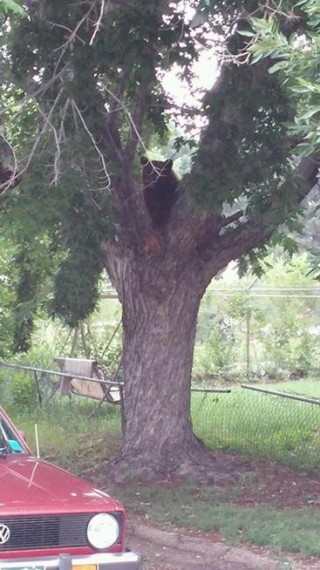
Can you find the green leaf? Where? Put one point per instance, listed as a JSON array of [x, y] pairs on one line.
[[261, 24], [279, 66], [299, 89], [310, 112], [246, 33], [257, 57], [13, 6]]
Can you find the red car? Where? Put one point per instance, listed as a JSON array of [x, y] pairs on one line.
[[52, 520]]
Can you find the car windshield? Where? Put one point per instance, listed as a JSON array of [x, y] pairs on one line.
[[8, 439]]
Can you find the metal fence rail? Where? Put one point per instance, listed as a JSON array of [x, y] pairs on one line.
[[61, 374], [279, 426], [282, 394], [246, 419], [210, 390], [97, 380]]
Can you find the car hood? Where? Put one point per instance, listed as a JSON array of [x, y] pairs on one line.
[[34, 486]]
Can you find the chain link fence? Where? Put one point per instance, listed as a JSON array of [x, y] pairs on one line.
[[261, 422], [258, 332], [253, 420]]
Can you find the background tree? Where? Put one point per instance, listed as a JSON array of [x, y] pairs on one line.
[[88, 74]]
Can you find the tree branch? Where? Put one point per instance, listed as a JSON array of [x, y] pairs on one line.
[[230, 219], [252, 233]]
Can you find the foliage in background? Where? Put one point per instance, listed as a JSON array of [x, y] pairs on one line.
[[297, 62], [283, 335], [288, 329], [98, 338], [277, 325], [7, 296]]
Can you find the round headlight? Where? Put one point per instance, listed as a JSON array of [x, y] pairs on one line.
[[103, 531]]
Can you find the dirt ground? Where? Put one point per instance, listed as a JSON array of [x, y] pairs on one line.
[[265, 483], [180, 549], [183, 550]]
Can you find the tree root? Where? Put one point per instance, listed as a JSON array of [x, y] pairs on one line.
[[195, 463]]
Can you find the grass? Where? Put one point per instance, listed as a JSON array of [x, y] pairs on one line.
[[246, 422], [69, 433], [309, 388], [258, 424], [207, 510], [82, 438]]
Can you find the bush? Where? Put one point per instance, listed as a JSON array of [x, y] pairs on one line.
[[218, 350], [24, 394], [266, 326]]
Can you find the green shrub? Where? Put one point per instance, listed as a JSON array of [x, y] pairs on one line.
[[218, 350], [24, 394]]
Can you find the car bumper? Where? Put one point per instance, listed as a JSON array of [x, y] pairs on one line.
[[121, 561]]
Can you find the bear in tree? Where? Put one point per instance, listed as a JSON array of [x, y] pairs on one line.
[[8, 179], [160, 185]]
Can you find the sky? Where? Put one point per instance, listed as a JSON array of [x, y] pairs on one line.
[[206, 72]]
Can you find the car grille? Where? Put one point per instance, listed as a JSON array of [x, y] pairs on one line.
[[36, 532]]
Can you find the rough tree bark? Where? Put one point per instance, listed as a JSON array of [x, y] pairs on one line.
[[160, 292], [160, 306]]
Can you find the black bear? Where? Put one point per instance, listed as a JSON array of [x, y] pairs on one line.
[[8, 179], [159, 189]]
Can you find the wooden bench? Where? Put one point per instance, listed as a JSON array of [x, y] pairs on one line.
[[86, 378]]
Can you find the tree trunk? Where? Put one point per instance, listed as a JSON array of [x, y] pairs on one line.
[[160, 290], [159, 325]]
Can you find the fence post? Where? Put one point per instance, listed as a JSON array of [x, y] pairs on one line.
[[38, 387], [248, 327], [248, 334]]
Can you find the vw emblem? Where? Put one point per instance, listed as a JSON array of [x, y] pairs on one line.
[[4, 533]]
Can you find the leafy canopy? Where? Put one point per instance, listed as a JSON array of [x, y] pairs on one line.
[[82, 96], [297, 63]]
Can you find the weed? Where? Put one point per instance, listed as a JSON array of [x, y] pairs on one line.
[[77, 440], [208, 510]]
